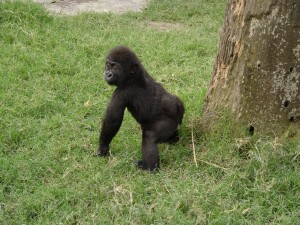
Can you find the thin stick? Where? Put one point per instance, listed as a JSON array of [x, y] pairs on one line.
[[214, 165], [193, 144], [296, 156]]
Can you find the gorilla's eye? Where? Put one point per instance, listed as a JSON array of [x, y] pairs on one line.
[[111, 65]]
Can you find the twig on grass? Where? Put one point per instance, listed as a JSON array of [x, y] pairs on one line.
[[213, 164], [193, 144]]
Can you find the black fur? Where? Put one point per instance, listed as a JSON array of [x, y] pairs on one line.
[[157, 111]]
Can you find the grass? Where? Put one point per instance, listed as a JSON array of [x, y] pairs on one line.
[[52, 99]]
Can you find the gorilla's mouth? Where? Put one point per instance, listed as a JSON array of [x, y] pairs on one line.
[[110, 75], [110, 78]]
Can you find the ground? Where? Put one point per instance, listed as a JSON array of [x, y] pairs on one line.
[[73, 7]]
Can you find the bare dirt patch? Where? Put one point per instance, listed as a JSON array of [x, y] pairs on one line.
[[74, 7], [164, 26]]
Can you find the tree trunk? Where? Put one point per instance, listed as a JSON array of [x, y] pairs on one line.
[[256, 76]]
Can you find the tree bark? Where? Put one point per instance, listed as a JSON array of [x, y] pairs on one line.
[[256, 76]]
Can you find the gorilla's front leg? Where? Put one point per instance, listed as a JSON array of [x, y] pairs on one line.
[[150, 155], [103, 151]]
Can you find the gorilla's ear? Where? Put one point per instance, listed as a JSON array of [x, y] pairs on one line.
[[133, 68]]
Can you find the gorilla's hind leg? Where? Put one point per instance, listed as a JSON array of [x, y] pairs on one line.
[[173, 139], [161, 131], [150, 157]]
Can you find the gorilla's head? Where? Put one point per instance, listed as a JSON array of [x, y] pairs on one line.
[[121, 65]]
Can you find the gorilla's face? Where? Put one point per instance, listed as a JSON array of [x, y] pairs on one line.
[[114, 73]]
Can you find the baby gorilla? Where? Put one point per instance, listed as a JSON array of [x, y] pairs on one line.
[[157, 111]]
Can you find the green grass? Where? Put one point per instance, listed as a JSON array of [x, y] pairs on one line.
[[53, 97]]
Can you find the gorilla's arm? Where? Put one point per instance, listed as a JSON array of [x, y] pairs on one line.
[[111, 123]]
